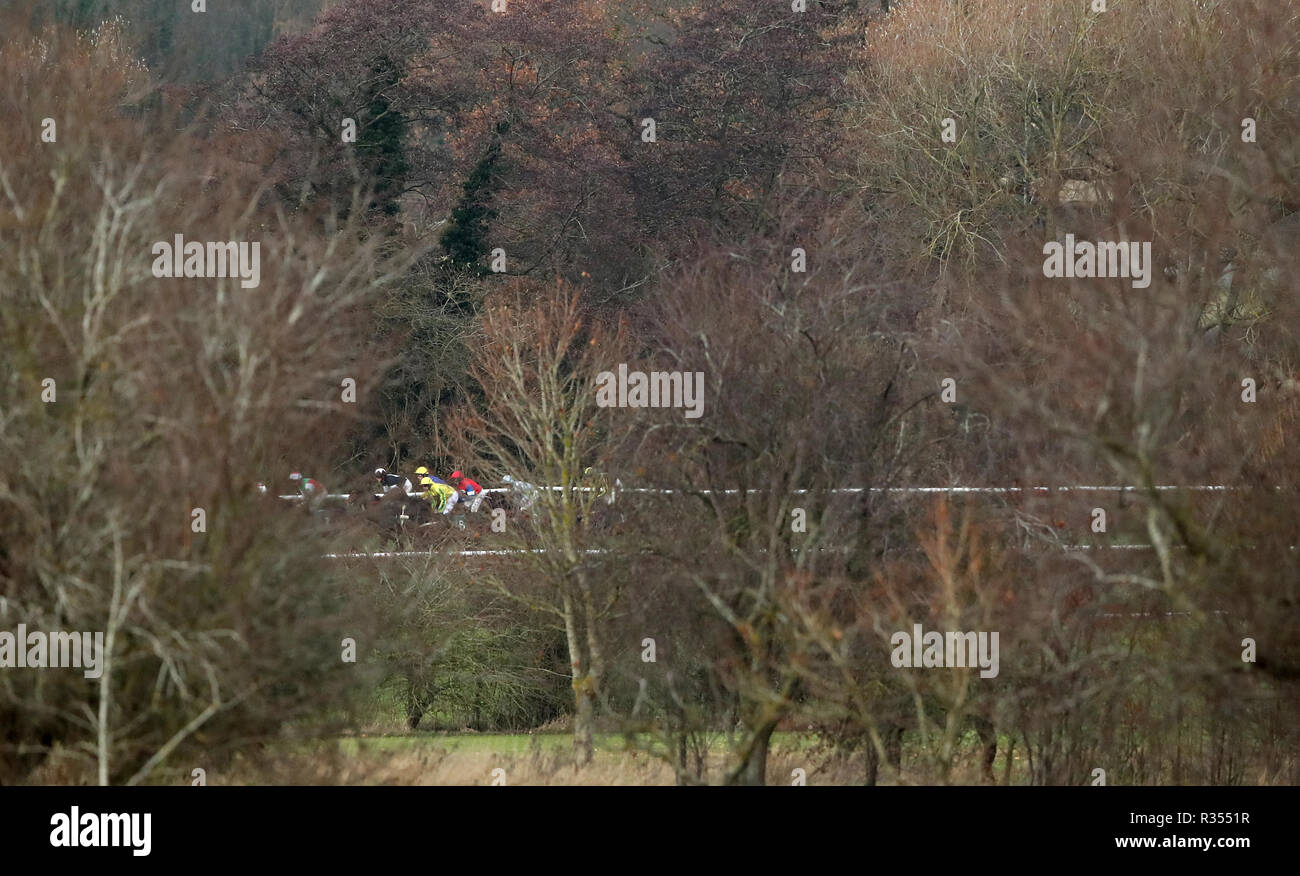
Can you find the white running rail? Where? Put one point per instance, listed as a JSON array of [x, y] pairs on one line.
[[918, 490]]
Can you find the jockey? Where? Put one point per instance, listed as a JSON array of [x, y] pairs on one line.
[[422, 473], [307, 486], [470, 488], [527, 492], [441, 495], [596, 480], [388, 480], [464, 484], [312, 490]]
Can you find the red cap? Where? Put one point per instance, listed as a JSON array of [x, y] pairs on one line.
[[457, 474]]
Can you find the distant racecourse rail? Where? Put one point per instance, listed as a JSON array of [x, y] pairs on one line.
[[660, 490], [1065, 489]]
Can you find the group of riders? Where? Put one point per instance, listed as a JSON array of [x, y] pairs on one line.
[[441, 495], [444, 495]]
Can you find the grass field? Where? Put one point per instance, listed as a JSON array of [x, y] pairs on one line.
[[524, 743], [430, 758]]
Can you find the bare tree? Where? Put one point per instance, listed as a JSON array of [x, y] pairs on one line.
[[539, 421], [140, 412]]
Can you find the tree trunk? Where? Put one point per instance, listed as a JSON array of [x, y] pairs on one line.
[[989, 740], [414, 706], [584, 712], [753, 768], [584, 722], [892, 742], [682, 764]]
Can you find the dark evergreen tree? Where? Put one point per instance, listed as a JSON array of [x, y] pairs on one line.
[[465, 240], [381, 139]]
